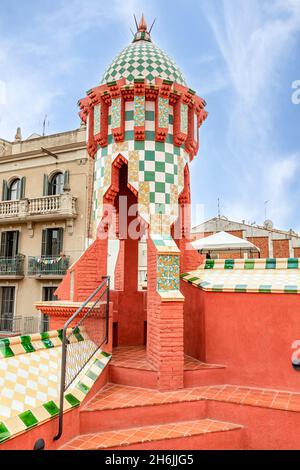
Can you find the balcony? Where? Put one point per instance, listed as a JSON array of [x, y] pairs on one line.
[[48, 267], [12, 268], [22, 325], [62, 206]]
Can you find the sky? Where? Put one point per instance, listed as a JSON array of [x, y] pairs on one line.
[[241, 56]]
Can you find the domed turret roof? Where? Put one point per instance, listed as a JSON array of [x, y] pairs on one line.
[[143, 59]]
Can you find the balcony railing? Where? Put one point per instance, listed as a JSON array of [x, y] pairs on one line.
[[12, 266], [62, 206], [22, 325], [9, 208], [48, 265]]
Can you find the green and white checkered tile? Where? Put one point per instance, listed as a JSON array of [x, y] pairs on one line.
[[257, 263], [164, 243], [245, 279], [159, 164], [143, 59], [32, 416]]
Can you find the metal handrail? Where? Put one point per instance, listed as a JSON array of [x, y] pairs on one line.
[[65, 342]]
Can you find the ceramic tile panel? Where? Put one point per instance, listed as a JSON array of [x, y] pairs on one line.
[[139, 111], [184, 118], [116, 113], [97, 114], [167, 272], [163, 112]]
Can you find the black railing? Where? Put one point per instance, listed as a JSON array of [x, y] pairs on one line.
[[48, 265], [23, 325], [12, 266], [81, 338]]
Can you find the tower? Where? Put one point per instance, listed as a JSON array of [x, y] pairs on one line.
[[142, 132]]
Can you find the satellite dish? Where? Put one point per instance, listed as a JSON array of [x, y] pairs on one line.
[[268, 224]]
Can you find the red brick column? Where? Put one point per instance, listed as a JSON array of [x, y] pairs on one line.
[[165, 345]]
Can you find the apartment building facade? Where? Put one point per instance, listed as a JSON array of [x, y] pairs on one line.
[[44, 221]]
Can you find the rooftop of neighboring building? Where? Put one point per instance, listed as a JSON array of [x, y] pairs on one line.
[[222, 221]]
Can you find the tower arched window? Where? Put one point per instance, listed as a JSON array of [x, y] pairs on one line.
[[56, 185], [14, 190]]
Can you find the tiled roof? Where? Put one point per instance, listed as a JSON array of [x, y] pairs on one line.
[[29, 379], [142, 59], [251, 275]]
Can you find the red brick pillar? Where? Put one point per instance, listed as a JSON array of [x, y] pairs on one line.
[[165, 346]]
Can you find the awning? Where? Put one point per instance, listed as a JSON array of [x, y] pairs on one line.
[[223, 241]]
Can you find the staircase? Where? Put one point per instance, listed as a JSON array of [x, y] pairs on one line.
[[213, 417]]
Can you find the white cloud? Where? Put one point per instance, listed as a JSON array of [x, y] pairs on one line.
[[254, 39], [36, 62]]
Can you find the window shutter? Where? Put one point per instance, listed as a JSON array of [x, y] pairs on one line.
[[4, 191], [60, 240], [46, 186], [15, 250], [3, 243], [44, 242], [22, 190], [66, 178]]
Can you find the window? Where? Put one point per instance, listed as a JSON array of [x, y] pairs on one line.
[[48, 293], [48, 296], [7, 308], [52, 242], [14, 190], [9, 244], [55, 185]]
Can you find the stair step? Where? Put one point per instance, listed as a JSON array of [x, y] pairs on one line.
[[114, 396], [149, 434]]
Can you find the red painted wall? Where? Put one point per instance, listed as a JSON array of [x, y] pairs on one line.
[[250, 333]]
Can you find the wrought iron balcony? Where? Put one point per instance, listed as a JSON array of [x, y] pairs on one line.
[[12, 267], [62, 206], [48, 266], [22, 325]]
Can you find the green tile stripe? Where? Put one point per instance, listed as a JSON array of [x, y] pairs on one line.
[[27, 345], [210, 263], [52, 408], [27, 340], [28, 419], [265, 289], [249, 264], [4, 432], [72, 400], [293, 263], [291, 289], [45, 337], [229, 264], [270, 263], [5, 349], [240, 288]]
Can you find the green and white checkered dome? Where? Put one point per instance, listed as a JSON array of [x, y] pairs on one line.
[[142, 59]]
